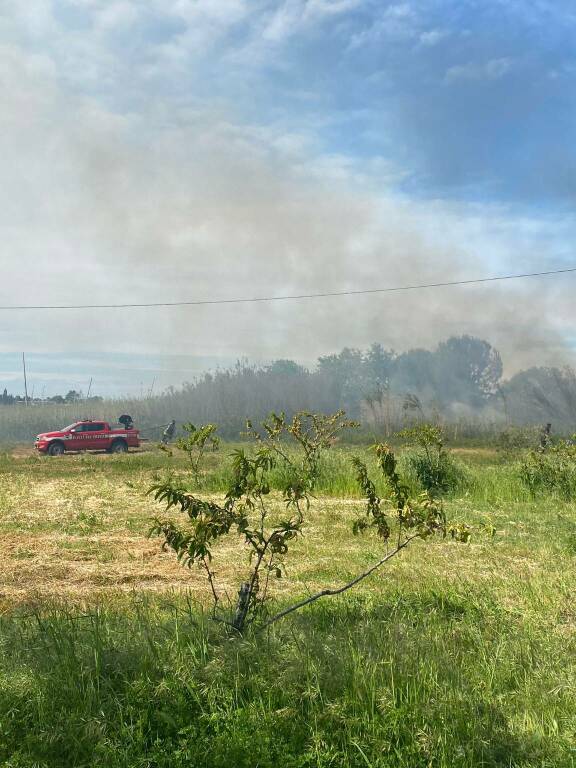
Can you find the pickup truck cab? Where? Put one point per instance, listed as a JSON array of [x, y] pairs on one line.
[[88, 436]]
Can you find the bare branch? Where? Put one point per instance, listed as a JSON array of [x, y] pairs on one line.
[[344, 588]]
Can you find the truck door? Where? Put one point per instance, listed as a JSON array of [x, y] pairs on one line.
[[75, 440], [94, 438]]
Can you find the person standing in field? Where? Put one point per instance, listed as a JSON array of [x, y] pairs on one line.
[[168, 433], [545, 436]]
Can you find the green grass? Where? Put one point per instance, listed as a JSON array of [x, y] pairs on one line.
[[488, 476], [445, 677], [452, 657]]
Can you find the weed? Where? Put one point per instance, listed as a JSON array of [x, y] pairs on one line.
[[430, 462], [551, 471]]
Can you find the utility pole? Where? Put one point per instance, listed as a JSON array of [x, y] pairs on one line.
[[25, 380], [89, 388], [151, 387]]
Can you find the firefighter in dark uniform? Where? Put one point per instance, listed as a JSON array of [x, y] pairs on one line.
[[545, 436], [168, 433], [126, 421]]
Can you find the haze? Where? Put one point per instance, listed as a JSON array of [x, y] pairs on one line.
[[182, 150]]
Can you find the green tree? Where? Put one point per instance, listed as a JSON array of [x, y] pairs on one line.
[[343, 376], [466, 370], [196, 442], [378, 365], [295, 446], [287, 368], [414, 372], [433, 466], [538, 395]]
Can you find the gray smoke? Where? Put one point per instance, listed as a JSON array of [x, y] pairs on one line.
[[97, 207]]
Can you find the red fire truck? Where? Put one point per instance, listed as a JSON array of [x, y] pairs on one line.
[[88, 436]]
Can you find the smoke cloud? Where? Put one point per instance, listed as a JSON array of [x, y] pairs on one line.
[[98, 206]]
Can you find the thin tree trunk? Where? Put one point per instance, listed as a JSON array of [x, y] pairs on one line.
[[242, 606]]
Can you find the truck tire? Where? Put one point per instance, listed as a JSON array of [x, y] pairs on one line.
[[56, 448], [119, 446]]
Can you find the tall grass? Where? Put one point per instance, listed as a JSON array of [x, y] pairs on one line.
[[227, 400], [429, 678], [486, 479], [20, 423]]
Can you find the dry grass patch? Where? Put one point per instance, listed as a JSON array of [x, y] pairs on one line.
[[85, 535]]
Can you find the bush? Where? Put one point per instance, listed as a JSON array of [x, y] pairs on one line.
[[515, 438], [551, 471], [440, 476], [430, 462], [247, 509]]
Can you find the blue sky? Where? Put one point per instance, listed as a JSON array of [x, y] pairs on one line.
[[112, 374], [194, 148], [468, 99], [456, 97]]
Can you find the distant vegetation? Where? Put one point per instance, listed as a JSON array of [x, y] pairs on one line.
[[459, 383], [72, 396]]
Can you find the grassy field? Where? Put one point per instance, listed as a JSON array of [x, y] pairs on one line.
[[453, 655]]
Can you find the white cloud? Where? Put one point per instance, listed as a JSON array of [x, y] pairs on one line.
[[398, 21], [325, 8], [432, 37], [292, 17], [223, 13], [285, 21], [88, 53], [400, 11], [115, 15], [494, 69]]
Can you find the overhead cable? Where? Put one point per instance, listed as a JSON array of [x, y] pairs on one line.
[[291, 297]]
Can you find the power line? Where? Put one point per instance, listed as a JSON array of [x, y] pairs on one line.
[[293, 297]]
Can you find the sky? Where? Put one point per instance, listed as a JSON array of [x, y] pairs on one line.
[[166, 150]]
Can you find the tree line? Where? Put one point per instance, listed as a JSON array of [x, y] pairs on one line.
[[459, 381], [72, 396]]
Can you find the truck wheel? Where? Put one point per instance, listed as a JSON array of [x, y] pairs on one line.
[[55, 449], [119, 446]]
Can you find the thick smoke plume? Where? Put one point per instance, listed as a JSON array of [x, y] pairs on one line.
[[100, 207]]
